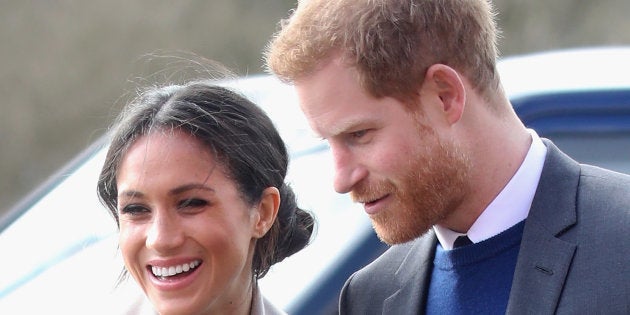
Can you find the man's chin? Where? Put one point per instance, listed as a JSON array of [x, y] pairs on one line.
[[393, 235]]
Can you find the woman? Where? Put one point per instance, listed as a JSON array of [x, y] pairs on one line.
[[194, 178]]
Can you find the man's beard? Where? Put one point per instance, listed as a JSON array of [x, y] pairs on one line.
[[433, 187]]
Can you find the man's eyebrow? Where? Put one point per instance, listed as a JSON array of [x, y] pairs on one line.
[[349, 125]]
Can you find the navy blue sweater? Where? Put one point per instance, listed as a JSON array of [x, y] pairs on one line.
[[475, 279]]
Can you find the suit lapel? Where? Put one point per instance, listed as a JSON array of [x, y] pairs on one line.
[[413, 276], [544, 259]]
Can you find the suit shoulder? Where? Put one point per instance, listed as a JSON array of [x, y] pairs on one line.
[[365, 290], [369, 287], [384, 267], [603, 176], [605, 188]]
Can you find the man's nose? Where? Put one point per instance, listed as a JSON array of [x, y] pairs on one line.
[[348, 170]]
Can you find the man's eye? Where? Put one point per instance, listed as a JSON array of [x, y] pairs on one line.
[[358, 134]]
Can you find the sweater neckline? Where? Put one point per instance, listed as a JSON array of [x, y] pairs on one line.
[[474, 253]]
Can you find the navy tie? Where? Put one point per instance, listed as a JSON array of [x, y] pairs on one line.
[[462, 240]]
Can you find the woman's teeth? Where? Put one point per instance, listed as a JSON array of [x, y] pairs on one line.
[[174, 270]]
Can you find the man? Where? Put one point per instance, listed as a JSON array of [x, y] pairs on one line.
[[422, 134]]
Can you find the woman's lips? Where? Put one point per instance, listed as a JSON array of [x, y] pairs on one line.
[[171, 276]]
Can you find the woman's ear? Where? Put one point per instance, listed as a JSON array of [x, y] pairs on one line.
[[447, 85], [267, 211]]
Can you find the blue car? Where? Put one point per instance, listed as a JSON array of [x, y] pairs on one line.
[[59, 244]]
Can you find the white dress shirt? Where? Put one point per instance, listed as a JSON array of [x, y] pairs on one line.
[[512, 204]]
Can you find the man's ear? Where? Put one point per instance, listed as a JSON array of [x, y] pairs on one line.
[[267, 211], [448, 85]]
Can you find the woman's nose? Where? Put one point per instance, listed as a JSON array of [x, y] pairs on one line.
[[165, 233]]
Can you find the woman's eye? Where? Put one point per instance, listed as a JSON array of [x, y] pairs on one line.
[[134, 209], [192, 203]]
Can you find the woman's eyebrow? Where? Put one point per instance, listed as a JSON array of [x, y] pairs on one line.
[[130, 194], [175, 191], [187, 187]]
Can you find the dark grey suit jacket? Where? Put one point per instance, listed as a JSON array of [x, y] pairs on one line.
[[574, 256]]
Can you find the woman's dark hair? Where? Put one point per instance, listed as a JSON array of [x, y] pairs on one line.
[[241, 137]]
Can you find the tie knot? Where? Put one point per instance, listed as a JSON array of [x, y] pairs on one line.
[[462, 240]]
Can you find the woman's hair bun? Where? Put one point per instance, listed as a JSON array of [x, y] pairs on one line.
[[296, 225]]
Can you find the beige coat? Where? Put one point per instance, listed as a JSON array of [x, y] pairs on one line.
[[262, 306], [140, 305]]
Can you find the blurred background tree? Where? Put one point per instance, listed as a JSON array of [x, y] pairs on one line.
[[65, 64]]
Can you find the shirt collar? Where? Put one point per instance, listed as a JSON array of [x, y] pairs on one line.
[[512, 204]]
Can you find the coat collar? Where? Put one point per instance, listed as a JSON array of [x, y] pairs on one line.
[[544, 259]]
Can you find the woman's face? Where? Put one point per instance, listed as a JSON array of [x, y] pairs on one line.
[[186, 235]]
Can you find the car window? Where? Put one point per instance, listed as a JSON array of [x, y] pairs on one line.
[[608, 150]]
